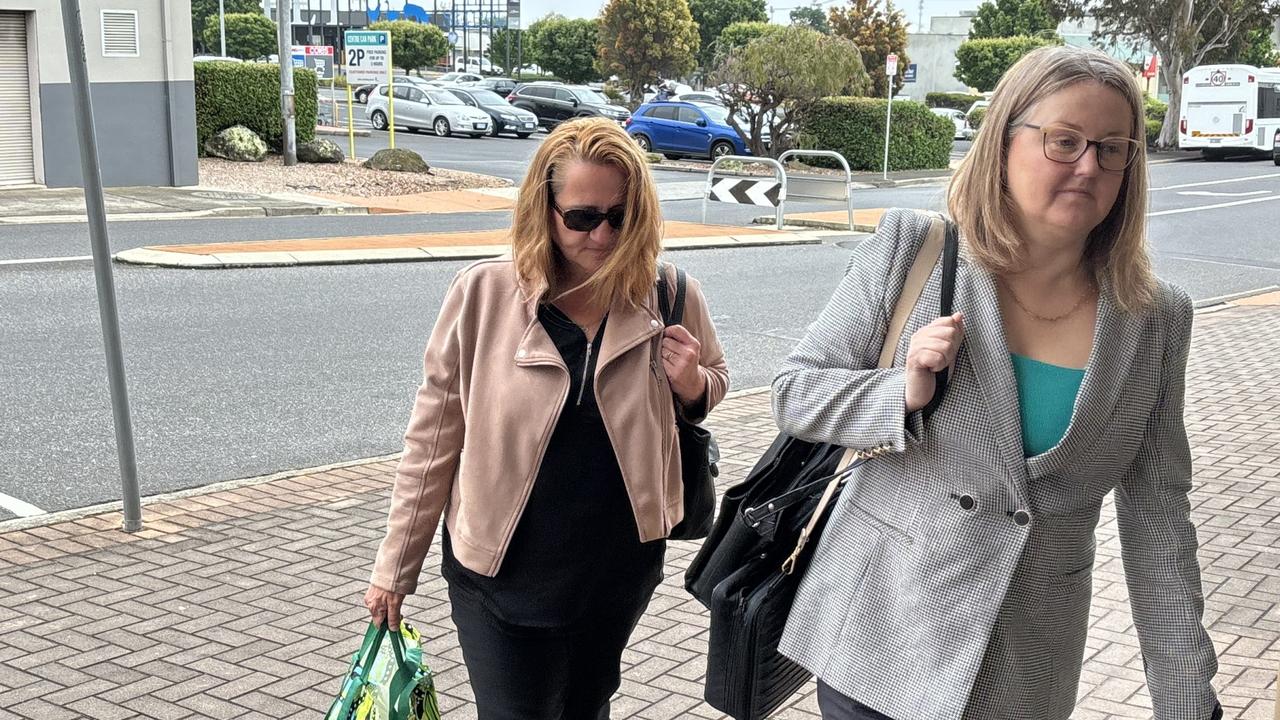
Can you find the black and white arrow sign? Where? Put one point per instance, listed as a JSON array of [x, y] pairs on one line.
[[746, 192]]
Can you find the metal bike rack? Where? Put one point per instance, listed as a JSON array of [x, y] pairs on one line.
[[819, 187], [780, 177]]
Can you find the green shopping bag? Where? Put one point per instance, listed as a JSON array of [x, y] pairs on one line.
[[387, 686]]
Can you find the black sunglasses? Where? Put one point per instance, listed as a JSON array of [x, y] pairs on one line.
[[588, 219]]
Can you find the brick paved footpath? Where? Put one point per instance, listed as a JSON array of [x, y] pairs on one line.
[[244, 602]]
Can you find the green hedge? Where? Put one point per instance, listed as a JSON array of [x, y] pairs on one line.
[[956, 101], [976, 117], [248, 94], [1153, 130], [854, 127], [1155, 108]]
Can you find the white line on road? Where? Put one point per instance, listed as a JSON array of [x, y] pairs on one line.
[[19, 508], [1192, 258], [1213, 207], [1216, 182], [39, 261], [1211, 193]]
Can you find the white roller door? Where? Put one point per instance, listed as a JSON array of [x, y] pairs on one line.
[[16, 160]]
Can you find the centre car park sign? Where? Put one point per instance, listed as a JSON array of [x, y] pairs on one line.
[[368, 56]]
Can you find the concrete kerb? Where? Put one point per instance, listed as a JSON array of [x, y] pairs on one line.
[[859, 183], [158, 257], [230, 212]]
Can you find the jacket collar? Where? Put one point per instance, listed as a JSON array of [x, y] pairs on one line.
[[628, 326], [1115, 344]]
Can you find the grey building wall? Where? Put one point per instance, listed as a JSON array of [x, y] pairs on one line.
[[935, 59], [139, 142]]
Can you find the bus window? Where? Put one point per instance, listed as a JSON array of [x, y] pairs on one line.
[[1269, 101]]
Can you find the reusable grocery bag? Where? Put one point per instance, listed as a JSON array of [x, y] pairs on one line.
[[384, 683]]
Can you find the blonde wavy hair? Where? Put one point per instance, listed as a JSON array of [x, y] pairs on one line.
[[978, 197], [631, 269]]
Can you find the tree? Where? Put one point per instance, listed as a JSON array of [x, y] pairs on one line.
[[497, 52], [877, 33], [413, 44], [713, 16], [1012, 18], [643, 40], [202, 10], [739, 34], [1183, 33], [773, 80], [811, 16], [981, 63], [1251, 47], [249, 35], [565, 48]]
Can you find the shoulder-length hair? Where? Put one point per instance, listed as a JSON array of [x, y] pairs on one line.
[[978, 197], [631, 270]]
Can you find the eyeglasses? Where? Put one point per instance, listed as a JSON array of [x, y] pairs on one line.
[[1064, 145], [588, 219]]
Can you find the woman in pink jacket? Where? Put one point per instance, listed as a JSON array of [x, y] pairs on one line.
[[544, 432]]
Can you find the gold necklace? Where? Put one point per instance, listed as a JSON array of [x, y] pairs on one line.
[[1079, 303]]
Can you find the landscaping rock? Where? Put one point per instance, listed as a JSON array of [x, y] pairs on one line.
[[320, 150], [237, 143], [397, 160]]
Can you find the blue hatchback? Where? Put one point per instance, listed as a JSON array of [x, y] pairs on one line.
[[678, 128]]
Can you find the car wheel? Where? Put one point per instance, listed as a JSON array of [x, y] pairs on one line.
[[523, 135], [643, 142], [379, 120], [720, 149], [671, 156], [476, 136], [362, 97], [442, 127], [493, 129], [1275, 156]]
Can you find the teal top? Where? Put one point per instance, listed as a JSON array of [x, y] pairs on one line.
[[1046, 397]]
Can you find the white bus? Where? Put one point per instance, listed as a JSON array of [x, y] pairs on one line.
[[1229, 108]]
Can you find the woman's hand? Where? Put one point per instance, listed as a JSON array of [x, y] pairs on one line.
[[932, 348], [384, 606], [680, 354]]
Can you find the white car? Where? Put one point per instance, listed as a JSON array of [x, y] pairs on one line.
[[477, 65], [963, 131], [456, 78], [419, 108]]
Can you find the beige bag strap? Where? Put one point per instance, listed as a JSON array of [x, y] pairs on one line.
[[917, 277]]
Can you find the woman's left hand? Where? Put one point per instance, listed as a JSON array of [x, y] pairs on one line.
[[680, 354]]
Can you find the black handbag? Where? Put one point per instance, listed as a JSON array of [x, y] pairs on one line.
[[751, 564], [698, 450]]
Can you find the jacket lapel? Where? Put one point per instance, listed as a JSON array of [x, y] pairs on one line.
[[988, 354], [627, 327]]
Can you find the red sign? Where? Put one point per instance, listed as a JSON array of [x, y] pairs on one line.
[[1150, 70]]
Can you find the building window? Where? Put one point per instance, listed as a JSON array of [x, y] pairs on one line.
[[120, 33]]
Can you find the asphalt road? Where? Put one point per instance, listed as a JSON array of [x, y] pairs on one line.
[[242, 372]]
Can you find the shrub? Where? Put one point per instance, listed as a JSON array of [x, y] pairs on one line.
[[248, 94], [981, 63], [1155, 109], [1153, 131], [854, 127], [955, 101], [976, 117]]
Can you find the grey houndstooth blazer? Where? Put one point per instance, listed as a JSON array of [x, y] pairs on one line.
[[953, 579]]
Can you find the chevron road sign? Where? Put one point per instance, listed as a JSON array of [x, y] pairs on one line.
[[746, 192]]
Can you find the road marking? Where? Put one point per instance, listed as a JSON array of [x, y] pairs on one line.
[[40, 261], [1216, 182], [1213, 207], [1210, 193], [1193, 258], [19, 508]]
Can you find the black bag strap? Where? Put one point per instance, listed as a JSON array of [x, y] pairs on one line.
[[672, 315], [950, 261]]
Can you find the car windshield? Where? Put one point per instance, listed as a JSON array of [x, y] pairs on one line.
[[716, 113], [487, 97], [444, 98], [590, 96]]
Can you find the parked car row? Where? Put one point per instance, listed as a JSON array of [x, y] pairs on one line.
[[500, 85], [687, 129], [554, 103], [449, 110]]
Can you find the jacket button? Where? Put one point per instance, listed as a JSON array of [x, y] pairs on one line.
[[655, 324], [1022, 517], [521, 354], [967, 502]]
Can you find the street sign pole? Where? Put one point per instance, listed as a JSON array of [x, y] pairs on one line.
[[285, 31], [107, 310], [222, 25], [890, 69]]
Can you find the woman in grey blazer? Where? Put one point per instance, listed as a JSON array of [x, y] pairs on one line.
[[953, 579]]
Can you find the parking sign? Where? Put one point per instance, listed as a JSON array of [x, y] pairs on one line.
[[891, 65], [367, 56]]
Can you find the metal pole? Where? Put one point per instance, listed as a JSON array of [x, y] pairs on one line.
[[222, 26], [888, 120], [285, 30], [520, 51], [508, 36], [107, 311]]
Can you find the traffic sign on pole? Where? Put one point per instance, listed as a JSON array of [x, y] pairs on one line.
[[368, 56], [891, 65]]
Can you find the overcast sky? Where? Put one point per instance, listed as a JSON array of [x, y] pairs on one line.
[[531, 10]]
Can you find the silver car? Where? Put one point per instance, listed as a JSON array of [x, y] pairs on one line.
[[418, 108]]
